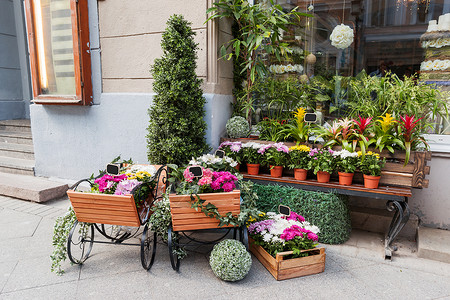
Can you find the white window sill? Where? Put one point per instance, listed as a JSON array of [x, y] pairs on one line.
[[438, 143]]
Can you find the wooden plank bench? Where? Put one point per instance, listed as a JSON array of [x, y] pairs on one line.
[[396, 184]]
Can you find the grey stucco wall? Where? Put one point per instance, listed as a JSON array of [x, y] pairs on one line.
[[73, 142], [432, 205]]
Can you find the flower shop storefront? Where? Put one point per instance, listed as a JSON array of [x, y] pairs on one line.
[[375, 74]]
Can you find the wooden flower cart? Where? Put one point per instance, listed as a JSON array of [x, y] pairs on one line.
[[186, 219], [108, 214]]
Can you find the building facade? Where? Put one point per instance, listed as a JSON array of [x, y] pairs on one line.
[[72, 141]]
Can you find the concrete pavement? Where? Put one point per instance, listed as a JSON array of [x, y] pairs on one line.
[[355, 269]]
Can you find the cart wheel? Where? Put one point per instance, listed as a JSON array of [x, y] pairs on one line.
[[174, 260], [243, 236], [113, 232], [79, 243], [148, 248]]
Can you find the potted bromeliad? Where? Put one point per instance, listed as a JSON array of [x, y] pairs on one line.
[[323, 163], [275, 156], [286, 245], [370, 165], [346, 163], [252, 157], [298, 160]]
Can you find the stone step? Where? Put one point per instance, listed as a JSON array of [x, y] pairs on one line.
[[433, 244], [16, 125], [16, 137], [378, 220], [36, 189], [16, 166], [22, 151]]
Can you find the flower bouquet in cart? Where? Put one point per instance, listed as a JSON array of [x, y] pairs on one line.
[[286, 245]]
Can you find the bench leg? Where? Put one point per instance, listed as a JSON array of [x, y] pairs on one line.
[[401, 216]]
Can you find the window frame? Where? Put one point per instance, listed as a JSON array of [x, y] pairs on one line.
[[81, 53]]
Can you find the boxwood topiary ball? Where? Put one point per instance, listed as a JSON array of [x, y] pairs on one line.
[[230, 261], [237, 127]]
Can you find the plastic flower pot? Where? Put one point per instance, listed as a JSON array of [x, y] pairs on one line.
[[345, 178], [300, 174], [371, 182], [276, 171], [252, 169], [323, 177]]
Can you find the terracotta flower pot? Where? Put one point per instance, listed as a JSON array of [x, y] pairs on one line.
[[323, 177], [252, 169], [237, 167], [371, 182], [276, 171], [300, 174], [345, 178]]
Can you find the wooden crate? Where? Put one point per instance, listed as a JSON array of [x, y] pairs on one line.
[[282, 268], [185, 218], [104, 208]]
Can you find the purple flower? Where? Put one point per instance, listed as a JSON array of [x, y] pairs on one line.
[[236, 147], [313, 152], [263, 148], [126, 186], [260, 226]]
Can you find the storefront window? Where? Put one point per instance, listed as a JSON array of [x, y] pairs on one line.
[[387, 40]]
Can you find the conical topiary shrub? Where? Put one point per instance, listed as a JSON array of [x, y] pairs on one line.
[[176, 131]]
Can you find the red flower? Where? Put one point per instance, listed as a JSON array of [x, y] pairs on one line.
[[408, 125], [363, 124]]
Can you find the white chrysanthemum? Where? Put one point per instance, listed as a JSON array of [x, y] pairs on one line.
[[342, 36], [345, 153]]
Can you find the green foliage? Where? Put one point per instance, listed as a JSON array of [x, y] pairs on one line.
[[277, 98], [176, 130], [376, 96], [61, 231], [237, 127], [230, 261], [160, 221], [259, 27], [327, 211], [271, 130]]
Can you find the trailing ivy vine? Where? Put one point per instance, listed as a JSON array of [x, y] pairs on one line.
[[61, 231]]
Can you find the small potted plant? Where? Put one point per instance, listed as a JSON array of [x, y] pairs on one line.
[[275, 156], [298, 160], [286, 245], [237, 127], [322, 163], [233, 150], [346, 163], [252, 157], [370, 165]]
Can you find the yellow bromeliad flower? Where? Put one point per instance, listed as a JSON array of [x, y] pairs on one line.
[[386, 122], [300, 114], [302, 148]]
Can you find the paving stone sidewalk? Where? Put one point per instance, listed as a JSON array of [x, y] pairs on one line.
[[355, 270]]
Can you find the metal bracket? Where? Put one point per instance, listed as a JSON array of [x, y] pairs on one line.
[[401, 216]]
